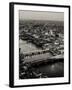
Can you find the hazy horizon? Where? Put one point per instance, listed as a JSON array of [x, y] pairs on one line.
[[41, 15]]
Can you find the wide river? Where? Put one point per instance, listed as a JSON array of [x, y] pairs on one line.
[[52, 70], [27, 47]]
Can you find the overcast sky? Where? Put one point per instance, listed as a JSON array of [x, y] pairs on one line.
[[41, 15]]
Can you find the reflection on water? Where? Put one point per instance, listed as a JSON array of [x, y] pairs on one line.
[[55, 69], [51, 70]]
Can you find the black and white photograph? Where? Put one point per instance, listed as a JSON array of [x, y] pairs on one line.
[[39, 44]]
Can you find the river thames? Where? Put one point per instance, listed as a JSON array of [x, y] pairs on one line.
[[55, 69]]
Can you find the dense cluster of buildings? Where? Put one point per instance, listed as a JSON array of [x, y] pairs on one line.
[[44, 35], [47, 36]]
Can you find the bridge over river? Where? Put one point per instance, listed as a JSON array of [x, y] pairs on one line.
[[38, 58], [33, 54]]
